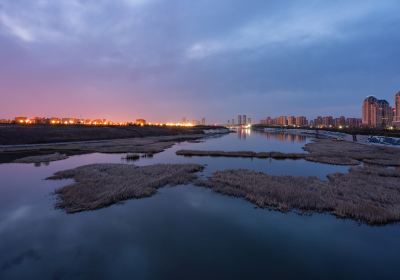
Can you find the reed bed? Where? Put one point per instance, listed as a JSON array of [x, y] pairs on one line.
[[351, 153], [41, 158], [327, 151], [243, 154], [147, 145], [131, 157], [100, 185], [367, 194]]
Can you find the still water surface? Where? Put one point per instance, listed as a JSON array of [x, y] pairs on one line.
[[185, 232]]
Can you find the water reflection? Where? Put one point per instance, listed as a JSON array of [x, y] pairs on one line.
[[286, 137], [184, 232], [243, 133]]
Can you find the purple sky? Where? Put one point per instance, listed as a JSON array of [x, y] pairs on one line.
[[167, 59]]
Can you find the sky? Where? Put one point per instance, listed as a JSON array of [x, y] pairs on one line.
[[163, 60]]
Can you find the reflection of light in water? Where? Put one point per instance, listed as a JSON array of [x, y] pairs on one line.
[[285, 137], [243, 133]]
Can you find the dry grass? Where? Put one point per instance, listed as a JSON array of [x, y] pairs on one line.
[[41, 158], [101, 185], [367, 194], [243, 154], [279, 155], [349, 153], [333, 160], [37, 134], [147, 145], [327, 151], [131, 157]]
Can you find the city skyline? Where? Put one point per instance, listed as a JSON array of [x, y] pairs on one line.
[[374, 113], [102, 59]]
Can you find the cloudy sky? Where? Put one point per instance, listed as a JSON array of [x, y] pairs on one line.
[[167, 59]]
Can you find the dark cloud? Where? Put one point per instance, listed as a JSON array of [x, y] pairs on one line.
[[166, 59]]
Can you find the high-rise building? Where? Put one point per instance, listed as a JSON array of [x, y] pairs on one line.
[[396, 120], [353, 122], [370, 112], [203, 121], [267, 121], [377, 113], [339, 122], [318, 122], [240, 120], [385, 114], [301, 121], [244, 120], [327, 121], [291, 120], [282, 120]]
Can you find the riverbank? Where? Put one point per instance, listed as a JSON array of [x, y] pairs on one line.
[[148, 145], [45, 134], [45, 152], [328, 151], [346, 130]]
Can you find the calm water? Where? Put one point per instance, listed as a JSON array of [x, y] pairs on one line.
[[185, 232]]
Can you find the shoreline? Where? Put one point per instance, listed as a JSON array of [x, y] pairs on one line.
[[42, 134], [45, 152], [148, 145], [367, 139], [328, 151]]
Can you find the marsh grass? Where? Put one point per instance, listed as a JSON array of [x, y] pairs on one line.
[[243, 154], [131, 157], [147, 145], [100, 185], [366, 194], [326, 151], [351, 153]]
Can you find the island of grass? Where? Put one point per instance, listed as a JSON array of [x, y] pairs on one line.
[[100, 185], [367, 194], [244, 154], [328, 151]]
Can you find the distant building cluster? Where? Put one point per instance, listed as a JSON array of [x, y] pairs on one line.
[[95, 122], [186, 122], [320, 121], [338, 122], [377, 113], [242, 120], [286, 121], [59, 121]]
